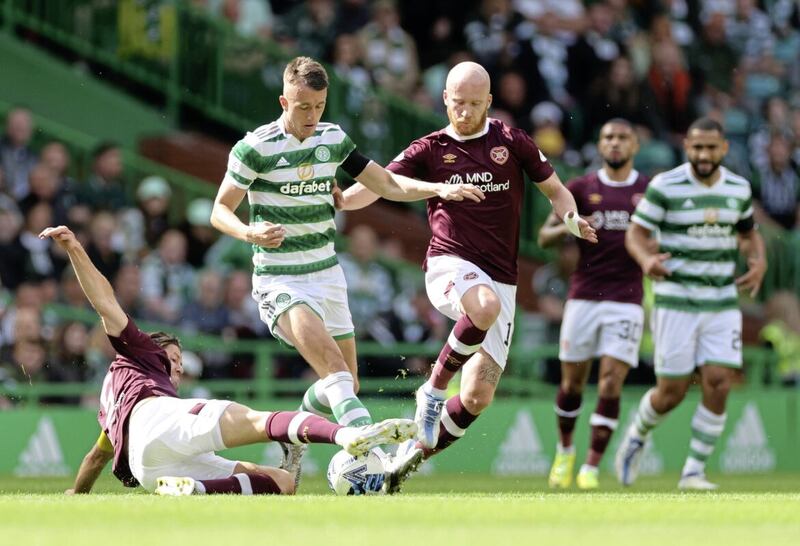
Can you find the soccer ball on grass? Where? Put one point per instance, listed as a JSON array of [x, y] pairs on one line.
[[349, 475]]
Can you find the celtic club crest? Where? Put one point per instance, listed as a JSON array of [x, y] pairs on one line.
[[499, 154]]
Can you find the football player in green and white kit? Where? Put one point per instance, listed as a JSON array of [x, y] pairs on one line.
[[286, 168], [702, 214]]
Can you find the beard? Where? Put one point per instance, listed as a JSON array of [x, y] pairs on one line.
[[616, 163], [472, 129], [706, 168]]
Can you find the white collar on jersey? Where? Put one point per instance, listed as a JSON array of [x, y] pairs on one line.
[[603, 176], [455, 136]]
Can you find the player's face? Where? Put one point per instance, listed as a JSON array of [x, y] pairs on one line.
[[617, 144], [176, 361], [467, 107], [303, 109], [705, 150]]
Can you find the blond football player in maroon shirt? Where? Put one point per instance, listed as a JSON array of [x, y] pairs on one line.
[[471, 263]]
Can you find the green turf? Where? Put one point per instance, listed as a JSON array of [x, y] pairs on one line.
[[461, 510]]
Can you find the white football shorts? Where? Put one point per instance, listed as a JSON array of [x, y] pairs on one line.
[[448, 278], [174, 437], [324, 292], [601, 328], [684, 340]]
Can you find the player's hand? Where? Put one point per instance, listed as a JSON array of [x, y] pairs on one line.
[[587, 231], [62, 235], [459, 192], [338, 196], [266, 235], [654, 267], [756, 268]]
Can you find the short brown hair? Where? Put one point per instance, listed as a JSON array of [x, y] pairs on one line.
[[162, 339], [306, 71]]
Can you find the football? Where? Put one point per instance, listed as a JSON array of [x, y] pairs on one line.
[[349, 475]]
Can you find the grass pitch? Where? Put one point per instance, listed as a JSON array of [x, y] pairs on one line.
[[461, 510]]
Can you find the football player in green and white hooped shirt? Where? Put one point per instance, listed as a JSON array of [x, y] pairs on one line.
[[701, 213], [287, 168]]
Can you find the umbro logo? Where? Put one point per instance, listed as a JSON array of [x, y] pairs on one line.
[[449, 158], [688, 204], [282, 162]]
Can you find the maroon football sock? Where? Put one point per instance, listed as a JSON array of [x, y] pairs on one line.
[[239, 484], [463, 342], [301, 427], [603, 421], [568, 407], [455, 421]]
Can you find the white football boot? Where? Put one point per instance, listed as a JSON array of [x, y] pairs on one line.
[[428, 417]]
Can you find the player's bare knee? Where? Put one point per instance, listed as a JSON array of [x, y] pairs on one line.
[[485, 314], [571, 386], [476, 400], [609, 386]]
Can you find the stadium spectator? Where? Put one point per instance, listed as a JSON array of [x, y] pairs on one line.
[[513, 97], [153, 196], [16, 157], [206, 314], [390, 53], [619, 95], [69, 290], [101, 248], [200, 235], [12, 252], [591, 55], [352, 15], [671, 86], [105, 188], [55, 155], [776, 188], [492, 31], [713, 60], [167, 279], [39, 263], [310, 27], [250, 18], [128, 287]]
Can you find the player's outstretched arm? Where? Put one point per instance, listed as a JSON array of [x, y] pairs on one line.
[[356, 197], [565, 207], [396, 187], [223, 217], [92, 466], [96, 287]]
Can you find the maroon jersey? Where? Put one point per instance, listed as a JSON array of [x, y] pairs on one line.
[[606, 272], [485, 233], [140, 370]]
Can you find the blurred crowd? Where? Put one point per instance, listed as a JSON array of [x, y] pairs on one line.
[[560, 69], [168, 269]]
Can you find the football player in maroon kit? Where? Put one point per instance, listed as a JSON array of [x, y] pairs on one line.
[[471, 263], [603, 316], [167, 444]]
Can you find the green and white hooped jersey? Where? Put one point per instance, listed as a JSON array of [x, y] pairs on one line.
[[290, 182], [696, 224]]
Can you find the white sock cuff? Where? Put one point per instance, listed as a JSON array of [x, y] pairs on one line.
[[709, 416], [597, 420], [335, 377], [244, 483], [564, 413], [461, 348], [646, 408]]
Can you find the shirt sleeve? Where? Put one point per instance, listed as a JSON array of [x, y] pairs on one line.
[[244, 163], [137, 347], [533, 161], [411, 161], [651, 210]]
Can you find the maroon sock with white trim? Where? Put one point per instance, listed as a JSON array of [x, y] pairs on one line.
[[464, 340], [238, 484], [455, 421], [567, 408], [604, 421], [301, 427]]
